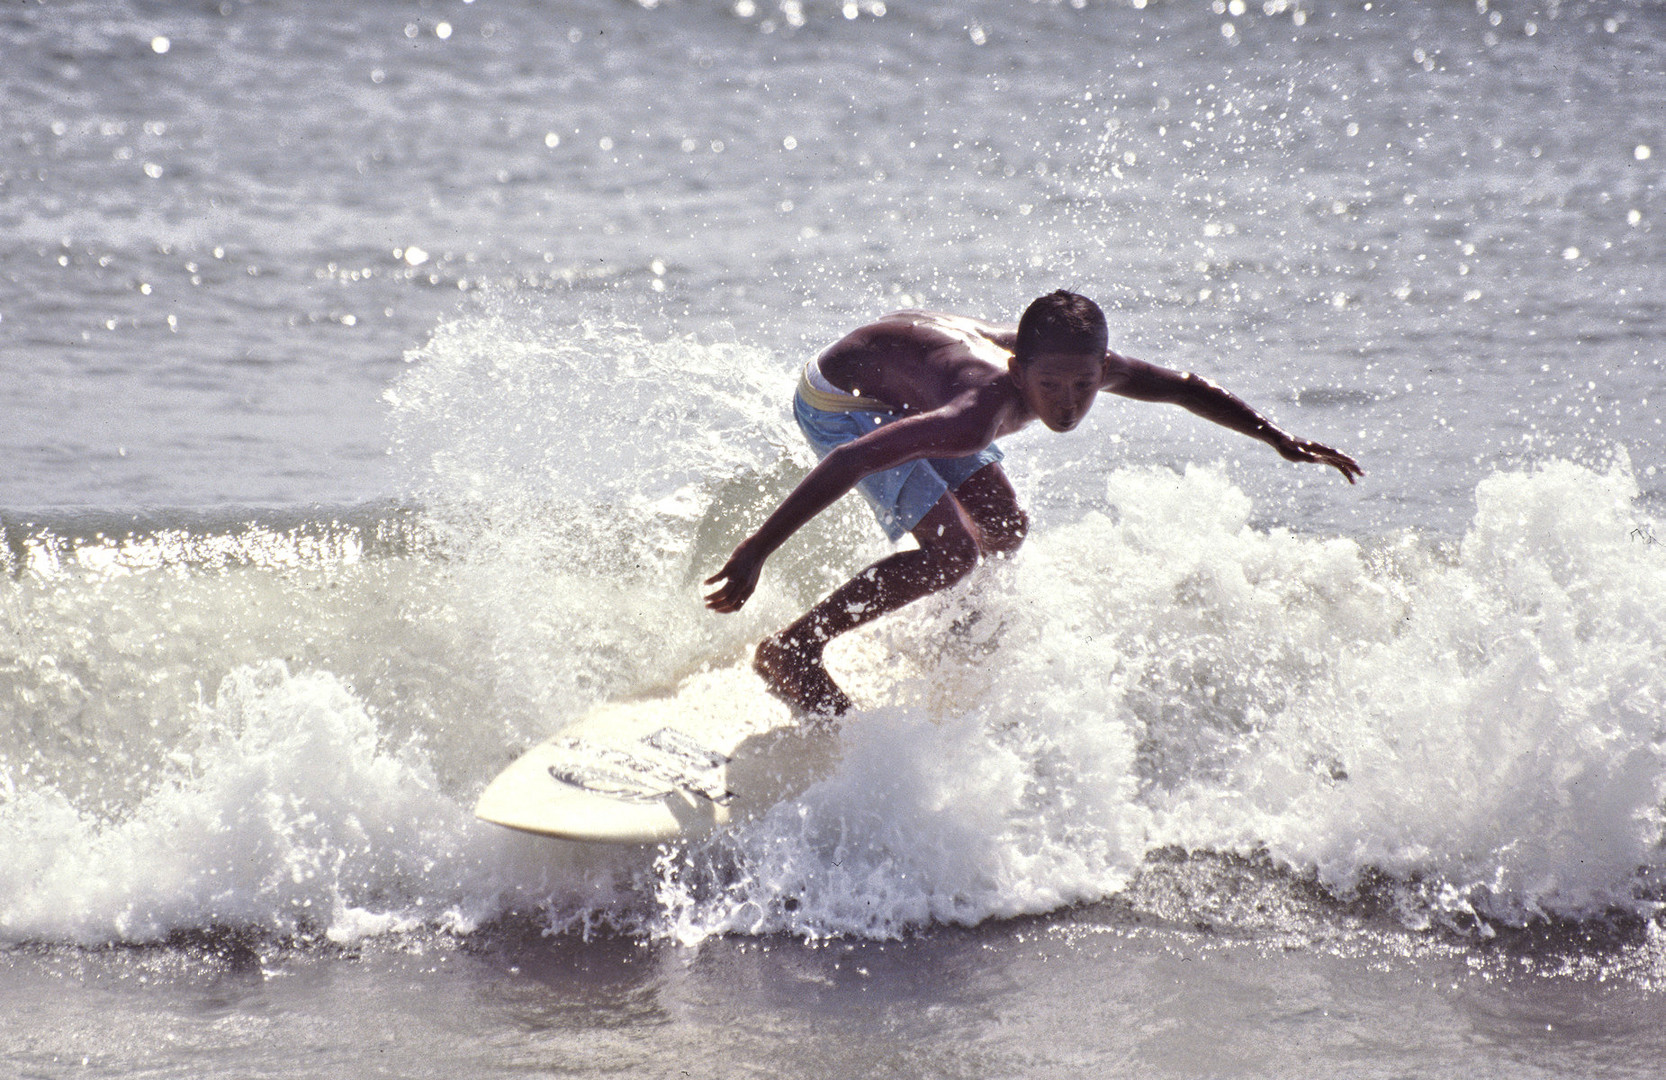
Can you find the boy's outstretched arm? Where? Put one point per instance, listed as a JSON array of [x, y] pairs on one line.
[[1148, 382], [946, 432], [836, 475]]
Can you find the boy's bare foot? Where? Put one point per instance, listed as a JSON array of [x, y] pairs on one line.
[[794, 673]]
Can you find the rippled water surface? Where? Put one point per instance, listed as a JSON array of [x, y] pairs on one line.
[[378, 381]]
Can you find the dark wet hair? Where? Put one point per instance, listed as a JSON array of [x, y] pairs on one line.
[[1061, 322]]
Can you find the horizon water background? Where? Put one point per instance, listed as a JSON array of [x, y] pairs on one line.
[[378, 382]]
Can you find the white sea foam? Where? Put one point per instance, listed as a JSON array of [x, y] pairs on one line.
[[1482, 724], [1478, 720], [296, 818]]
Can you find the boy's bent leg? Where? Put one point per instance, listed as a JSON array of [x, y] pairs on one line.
[[992, 504], [790, 662]]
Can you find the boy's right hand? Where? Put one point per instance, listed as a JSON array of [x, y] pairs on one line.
[[740, 577]]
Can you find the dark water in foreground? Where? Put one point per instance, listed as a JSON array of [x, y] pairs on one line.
[[1108, 990]]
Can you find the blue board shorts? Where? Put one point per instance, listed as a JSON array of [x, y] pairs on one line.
[[900, 497]]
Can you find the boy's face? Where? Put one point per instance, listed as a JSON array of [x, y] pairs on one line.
[[1060, 387]]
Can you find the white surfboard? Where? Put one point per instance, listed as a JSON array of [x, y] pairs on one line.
[[645, 772]]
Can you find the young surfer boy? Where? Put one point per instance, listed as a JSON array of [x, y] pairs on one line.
[[908, 409]]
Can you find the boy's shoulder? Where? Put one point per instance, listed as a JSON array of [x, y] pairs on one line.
[[919, 360], [922, 321], [939, 332]]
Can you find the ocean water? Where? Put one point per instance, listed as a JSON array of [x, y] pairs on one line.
[[378, 382]]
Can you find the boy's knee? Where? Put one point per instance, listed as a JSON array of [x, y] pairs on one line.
[[1006, 535], [954, 555]]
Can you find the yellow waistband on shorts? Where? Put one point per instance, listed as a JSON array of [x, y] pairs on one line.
[[834, 400]]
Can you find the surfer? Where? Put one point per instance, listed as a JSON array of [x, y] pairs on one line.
[[907, 409]]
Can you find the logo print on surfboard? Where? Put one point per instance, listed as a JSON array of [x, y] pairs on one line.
[[668, 762]]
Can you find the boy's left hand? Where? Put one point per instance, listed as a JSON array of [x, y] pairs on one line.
[[1294, 449]]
